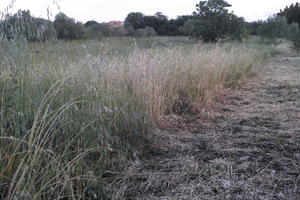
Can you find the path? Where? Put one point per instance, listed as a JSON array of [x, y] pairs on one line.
[[251, 150]]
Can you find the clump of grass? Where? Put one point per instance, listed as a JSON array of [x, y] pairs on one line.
[[72, 111]]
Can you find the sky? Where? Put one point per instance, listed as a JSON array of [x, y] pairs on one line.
[[107, 10]]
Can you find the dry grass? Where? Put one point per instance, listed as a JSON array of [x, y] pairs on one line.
[[249, 151], [71, 111]]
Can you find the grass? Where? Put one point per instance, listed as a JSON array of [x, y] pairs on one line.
[[71, 111]]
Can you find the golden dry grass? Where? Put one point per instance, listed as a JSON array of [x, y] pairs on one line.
[[76, 109]]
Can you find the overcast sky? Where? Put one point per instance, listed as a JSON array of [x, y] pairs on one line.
[[107, 10]]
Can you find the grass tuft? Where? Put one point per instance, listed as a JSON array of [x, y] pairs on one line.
[[72, 111]]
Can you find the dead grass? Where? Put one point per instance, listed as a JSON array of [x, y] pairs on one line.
[[76, 110], [250, 150]]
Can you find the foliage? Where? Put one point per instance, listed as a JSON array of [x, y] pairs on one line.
[[292, 13], [159, 22], [97, 30], [135, 20], [73, 114], [68, 29], [213, 21], [278, 27], [23, 26], [253, 26], [188, 27], [216, 23], [274, 27], [145, 32], [293, 34]]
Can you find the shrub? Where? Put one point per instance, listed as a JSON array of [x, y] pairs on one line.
[[293, 34], [23, 26], [144, 32], [274, 27]]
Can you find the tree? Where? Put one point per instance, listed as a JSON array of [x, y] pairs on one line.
[[159, 22], [45, 30], [67, 28], [94, 31], [278, 27], [293, 34], [213, 21], [19, 26], [90, 23], [253, 26], [292, 13], [24, 26], [135, 20], [274, 27], [188, 27]]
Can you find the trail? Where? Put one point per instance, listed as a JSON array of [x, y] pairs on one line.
[[249, 150]]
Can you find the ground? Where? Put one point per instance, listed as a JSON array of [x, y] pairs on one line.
[[249, 148]]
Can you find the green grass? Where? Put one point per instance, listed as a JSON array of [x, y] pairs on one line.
[[72, 111]]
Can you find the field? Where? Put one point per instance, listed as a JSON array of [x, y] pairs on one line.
[[74, 115]]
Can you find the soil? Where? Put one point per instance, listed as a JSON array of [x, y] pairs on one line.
[[249, 149]]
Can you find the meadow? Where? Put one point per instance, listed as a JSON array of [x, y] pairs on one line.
[[72, 111]]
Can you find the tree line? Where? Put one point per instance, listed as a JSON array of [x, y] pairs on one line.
[[210, 22], [284, 24]]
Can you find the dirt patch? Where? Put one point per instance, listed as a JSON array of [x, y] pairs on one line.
[[249, 150]]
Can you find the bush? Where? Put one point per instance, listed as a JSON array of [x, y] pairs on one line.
[[95, 32], [293, 34], [274, 27], [150, 31], [188, 28], [45, 30], [278, 27], [23, 26], [145, 32]]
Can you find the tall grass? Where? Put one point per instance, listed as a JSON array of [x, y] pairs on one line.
[[71, 112]]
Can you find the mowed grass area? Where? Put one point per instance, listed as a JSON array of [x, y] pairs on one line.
[[70, 111]]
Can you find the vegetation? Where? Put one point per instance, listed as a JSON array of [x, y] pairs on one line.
[[214, 22], [277, 27], [67, 28], [23, 26], [73, 113], [283, 25], [159, 23], [211, 22], [292, 13]]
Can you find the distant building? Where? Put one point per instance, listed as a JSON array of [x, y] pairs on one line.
[[116, 24]]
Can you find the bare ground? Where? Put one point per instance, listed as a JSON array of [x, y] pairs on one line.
[[250, 149]]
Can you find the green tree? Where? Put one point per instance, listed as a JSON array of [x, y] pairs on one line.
[[274, 27], [24, 26], [45, 30], [95, 31], [278, 27], [292, 13], [19, 26], [294, 35], [188, 28], [213, 21], [134, 20], [68, 29]]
